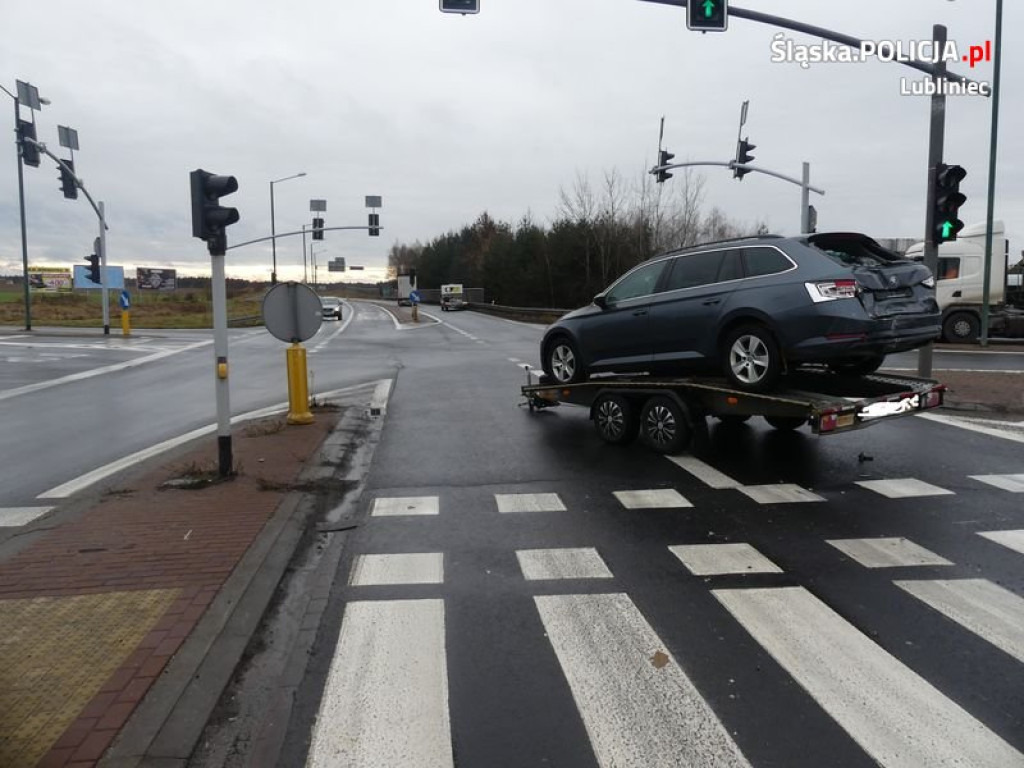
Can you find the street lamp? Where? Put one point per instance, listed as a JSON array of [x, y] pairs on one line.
[[273, 231]]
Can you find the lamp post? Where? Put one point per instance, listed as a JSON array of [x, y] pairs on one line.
[[273, 232], [29, 96], [312, 258]]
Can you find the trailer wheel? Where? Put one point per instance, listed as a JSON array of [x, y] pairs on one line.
[[786, 423], [615, 419], [663, 425], [751, 358], [961, 327]]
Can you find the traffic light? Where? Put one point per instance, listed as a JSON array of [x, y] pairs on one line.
[[948, 199], [93, 272], [374, 225], [67, 180], [743, 156], [707, 15], [318, 229], [29, 152], [460, 6], [664, 158], [209, 217]]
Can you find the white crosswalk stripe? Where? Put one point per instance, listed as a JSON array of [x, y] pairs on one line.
[[659, 498], [718, 559], [887, 552], [12, 517], [638, 705], [407, 505], [903, 488], [528, 502], [406, 568], [385, 704], [1012, 483], [987, 610], [582, 563], [896, 716], [1012, 539]]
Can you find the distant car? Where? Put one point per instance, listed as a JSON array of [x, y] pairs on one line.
[[752, 308], [452, 303], [330, 307]]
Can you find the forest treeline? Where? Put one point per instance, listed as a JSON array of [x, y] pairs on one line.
[[598, 232]]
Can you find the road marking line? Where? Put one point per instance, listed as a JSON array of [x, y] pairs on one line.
[[704, 472], [582, 563], [406, 505], [887, 552], [896, 716], [638, 705], [661, 498], [13, 517], [89, 478], [29, 388], [385, 703], [718, 559], [1012, 539], [953, 421], [780, 493], [1012, 483], [989, 611], [903, 488], [529, 502], [955, 370], [405, 568]]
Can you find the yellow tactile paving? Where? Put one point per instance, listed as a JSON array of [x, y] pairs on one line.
[[55, 655]]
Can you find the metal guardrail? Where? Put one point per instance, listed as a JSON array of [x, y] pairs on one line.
[[540, 315]]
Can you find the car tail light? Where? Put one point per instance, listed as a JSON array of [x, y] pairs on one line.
[[830, 290]]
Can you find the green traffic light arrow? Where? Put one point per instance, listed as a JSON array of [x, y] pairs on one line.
[[709, 7], [947, 228]]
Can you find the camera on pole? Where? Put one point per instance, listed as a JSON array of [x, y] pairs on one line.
[[948, 199], [209, 217], [743, 156], [664, 158]]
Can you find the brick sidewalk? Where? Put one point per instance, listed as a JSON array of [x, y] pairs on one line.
[[93, 609]]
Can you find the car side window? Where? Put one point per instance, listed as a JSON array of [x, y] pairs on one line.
[[732, 266], [692, 270], [764, 261], [640, 282]]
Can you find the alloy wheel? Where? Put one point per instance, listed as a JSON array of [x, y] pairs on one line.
[[749, 359]]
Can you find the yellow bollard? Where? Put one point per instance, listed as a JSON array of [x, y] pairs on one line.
[[415, 313], [298, 390], [126, 326]]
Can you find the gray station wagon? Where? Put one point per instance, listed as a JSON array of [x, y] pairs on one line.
[[752, 308]]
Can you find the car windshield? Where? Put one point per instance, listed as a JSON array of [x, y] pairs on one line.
[[854, 250], [330, 302]]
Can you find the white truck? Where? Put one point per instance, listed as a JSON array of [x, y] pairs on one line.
[[960, 283], [452, 297]]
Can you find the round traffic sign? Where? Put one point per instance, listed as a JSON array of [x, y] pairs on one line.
[[414, 296], [292, 312]]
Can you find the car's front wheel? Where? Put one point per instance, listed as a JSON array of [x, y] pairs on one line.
[[562, 361], [751, 358]]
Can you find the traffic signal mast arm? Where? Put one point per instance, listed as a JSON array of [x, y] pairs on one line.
[[78, 182], [733, 164], [296, 232], [828, 34]]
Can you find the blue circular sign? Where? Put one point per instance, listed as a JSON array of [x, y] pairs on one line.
[[414, 296]]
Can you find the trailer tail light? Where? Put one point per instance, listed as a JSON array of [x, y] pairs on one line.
[[830, 290], [933, 399], [829, 420]]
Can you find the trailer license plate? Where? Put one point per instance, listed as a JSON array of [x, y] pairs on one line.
[[845, 420]]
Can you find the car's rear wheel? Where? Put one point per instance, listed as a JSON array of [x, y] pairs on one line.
[[961, 327], [751, 358], [562, 361], [615, 419], [663, 425], [859, 367]]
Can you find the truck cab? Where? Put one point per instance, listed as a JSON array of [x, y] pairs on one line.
[[452, 297]]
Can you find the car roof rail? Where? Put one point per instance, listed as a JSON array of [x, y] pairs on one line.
[[733, 240]]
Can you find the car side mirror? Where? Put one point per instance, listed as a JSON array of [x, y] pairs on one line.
[[601, 301]]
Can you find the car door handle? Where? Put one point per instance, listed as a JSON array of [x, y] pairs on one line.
[[711, 302], [639, 312]]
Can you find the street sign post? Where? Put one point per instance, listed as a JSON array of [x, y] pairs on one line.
[[292, 312]]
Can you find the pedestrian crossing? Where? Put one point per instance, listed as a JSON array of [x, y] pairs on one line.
[[386, 700]]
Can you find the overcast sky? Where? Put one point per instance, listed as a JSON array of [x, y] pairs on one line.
[[446, 116]]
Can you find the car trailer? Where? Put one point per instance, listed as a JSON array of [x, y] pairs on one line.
[[664, 412]]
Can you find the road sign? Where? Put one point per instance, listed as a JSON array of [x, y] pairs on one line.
[[125, 300], [414, 296], [292, 312]]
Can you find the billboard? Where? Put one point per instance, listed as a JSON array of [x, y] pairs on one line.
[[152, 279], [49, 279], [115, 278]]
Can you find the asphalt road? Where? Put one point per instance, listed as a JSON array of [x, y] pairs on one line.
[[522, 594]]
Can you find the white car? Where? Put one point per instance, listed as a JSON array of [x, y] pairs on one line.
[[331, 307]]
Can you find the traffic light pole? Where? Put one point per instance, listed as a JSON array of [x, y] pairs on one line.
[[220, 351], [103, 270], [936, 143], [990, 213], [24, 232]]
